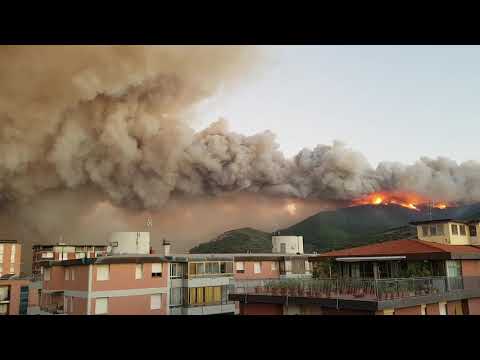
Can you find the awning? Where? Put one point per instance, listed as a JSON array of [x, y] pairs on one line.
[[370, 258]]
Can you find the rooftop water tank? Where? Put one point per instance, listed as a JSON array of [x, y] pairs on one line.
[[129, 242]]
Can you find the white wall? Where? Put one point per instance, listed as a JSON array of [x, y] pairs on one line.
[[293, 244], [130, 242]]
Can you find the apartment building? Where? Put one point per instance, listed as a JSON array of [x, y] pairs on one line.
[[62, 251], [436, 274], [10, 255], [139, 283]]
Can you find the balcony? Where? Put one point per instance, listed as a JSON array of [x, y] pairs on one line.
[[361, 289]]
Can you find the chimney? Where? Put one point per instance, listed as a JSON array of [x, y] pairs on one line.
[[166, 248]]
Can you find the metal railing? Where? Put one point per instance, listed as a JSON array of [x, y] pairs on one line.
[[361, 289]]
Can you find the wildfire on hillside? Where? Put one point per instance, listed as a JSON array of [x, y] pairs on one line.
[[405, 199]]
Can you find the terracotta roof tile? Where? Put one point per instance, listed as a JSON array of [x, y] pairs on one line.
[[402, 247]]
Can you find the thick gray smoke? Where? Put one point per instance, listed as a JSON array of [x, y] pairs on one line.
[[114, 118]]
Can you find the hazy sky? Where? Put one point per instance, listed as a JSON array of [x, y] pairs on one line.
[[392, 103]]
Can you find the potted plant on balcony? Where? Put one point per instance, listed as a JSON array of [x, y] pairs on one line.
[[282, 288]]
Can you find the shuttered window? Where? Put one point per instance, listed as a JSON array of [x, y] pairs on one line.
[[101, 306], [138, 271], [155, 302], [103, 272], [157, 270], [239, 267]]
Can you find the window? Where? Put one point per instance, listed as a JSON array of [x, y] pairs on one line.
[[157, 270], [283, 248], [208, 295], [65, 303], [46, 274], [155, 301], [12, 269], [72, 276], [47, 255], [454, 229], [440, 229], [176, 296], [197, 268], [63, 256], [239, 267], [442, 307], [101, 306], [274, 266], [200, 298], [138, 271], [472, 229], [79, 255], [257, 268], [12, 254], [425, 230], [205, 295], [463, 231], [1, 250], [288, 265], [307, 267], [454, 268], [103, 272], [176, 271], [217, 294], [3, 309], [433, 230], [71, 305], [4, 291], [67, 274]]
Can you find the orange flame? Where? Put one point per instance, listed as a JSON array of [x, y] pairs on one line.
[[405, 199]]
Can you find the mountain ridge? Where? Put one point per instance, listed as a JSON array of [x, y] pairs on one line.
[[340, 228]]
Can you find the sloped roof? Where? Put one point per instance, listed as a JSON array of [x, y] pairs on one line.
[[406, 247]]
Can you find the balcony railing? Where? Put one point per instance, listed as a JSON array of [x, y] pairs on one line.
[[359, 289]]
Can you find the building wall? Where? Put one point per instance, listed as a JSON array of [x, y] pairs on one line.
[[471, 267], [454, 308], [15, 285], [81, 278], [474, 306], [293, 244], [266, 270], [261, 309], [412, 310], [448, 237], [33, 298], [122, 276], [432, 309], [57, 278], [133, 305]]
